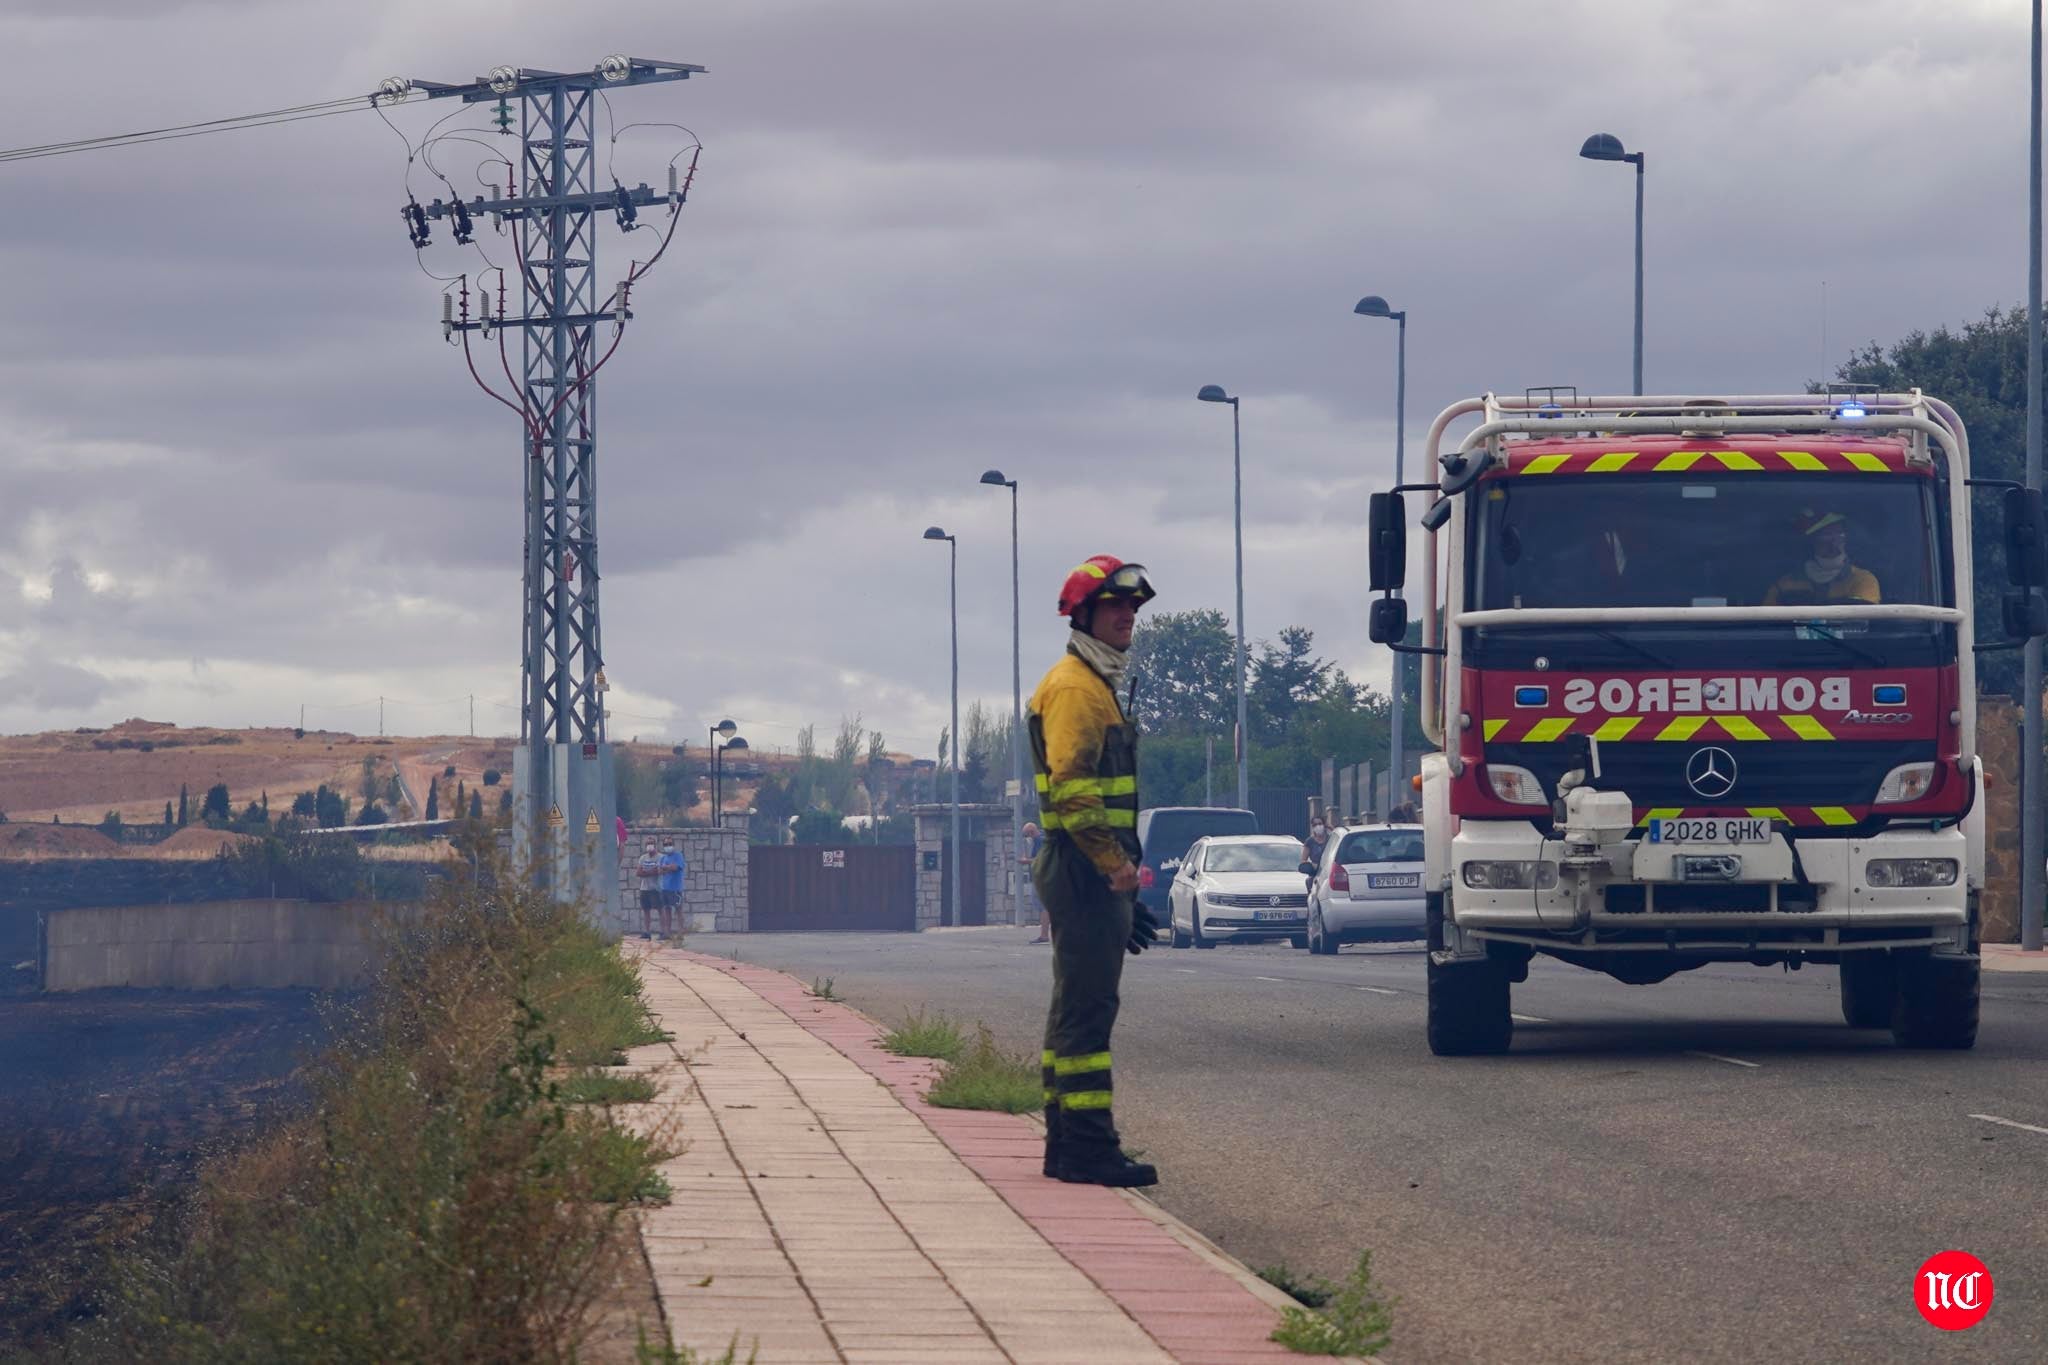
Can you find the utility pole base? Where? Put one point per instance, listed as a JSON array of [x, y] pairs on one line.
[[563, 828]]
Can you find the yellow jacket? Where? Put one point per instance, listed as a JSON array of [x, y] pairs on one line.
[[1086, 753], [1796, 589]]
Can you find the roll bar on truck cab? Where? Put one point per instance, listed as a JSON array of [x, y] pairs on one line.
[[1701, 676]]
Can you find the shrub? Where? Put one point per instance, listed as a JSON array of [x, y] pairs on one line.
[[492, 776], [1358, 1320], [984, 1077], [920, 1035]]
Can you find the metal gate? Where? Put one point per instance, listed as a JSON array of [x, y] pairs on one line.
[[813, 886], [973, 884]]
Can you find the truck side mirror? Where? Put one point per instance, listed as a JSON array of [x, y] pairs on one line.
[[2026, 614], [1386, 546], [1387, 622], [2026, 548]]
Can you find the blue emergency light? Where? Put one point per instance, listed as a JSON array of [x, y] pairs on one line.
[[1888, 694], [1532, 696], [1850, 410]]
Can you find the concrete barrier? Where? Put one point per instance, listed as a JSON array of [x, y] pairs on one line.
[[209, 945]]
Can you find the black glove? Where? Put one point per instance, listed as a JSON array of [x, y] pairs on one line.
[[1144, 930]]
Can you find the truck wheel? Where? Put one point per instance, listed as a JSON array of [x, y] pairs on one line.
[[1869, 981], [1936, 1003], [1468, 1010], [1433, 920]]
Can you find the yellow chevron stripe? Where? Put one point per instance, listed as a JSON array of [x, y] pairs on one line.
[[1544, 464], [1617, 728], [1611, 461], [1544, 731], [1769, 813], [1867, 462], [1494, 727], [1741, 727], [1833, 815], [1806, 727], [1660, 813], [1685, 727], [1678, 461], [1802, 459], [1736, 459]]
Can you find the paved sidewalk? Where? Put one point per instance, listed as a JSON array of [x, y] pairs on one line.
[[2009, 957], [823, 1210]]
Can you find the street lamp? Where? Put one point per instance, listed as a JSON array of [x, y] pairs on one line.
[[1213, 393], [1607, 147], [726, 730], [1373, 306], [994, 479], [953, 748]]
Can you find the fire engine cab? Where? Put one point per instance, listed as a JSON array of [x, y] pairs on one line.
[[1702, 679]]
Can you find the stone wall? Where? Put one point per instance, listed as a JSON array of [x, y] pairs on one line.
[[986, 824], [209, 945], [1998, 744], [714, 887]]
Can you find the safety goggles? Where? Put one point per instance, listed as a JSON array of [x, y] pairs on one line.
[[1129, 581]]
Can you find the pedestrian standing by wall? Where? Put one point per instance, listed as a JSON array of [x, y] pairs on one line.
[[1086, 751], [648, 873], [673, 868], [1026, 856]]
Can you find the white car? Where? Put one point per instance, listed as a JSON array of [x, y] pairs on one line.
[[1240, 887], [1369, 887]]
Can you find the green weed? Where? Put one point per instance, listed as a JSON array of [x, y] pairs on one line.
[[922, 1035], [821, 987], [666, 1352], [1312, 1291], [984, 1077], [601, 1087], [1357, 1321]]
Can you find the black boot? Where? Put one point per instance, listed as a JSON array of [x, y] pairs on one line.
[[1053, 1147], [1102, 1164]]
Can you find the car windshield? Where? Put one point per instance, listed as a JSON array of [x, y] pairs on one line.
[[1708, 540], [1382, 846], [1252, 858]]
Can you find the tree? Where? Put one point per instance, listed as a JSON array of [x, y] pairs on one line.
[[820, 827], [1184, 664], [307, 804], [253, 817], [372, 814], [505, 802], [168, 818], [448, 771], [1285, 678], [110, 824], [461, 797], [492, 777], [216, 806], [476, 805], [369, 782], [181, 805], [433, 798], [773, 806], [330, 808], [841, 773]]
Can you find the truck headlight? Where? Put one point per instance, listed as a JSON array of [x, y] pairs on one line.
[[1910, 872], [1511, 876], [1907, 782], [1516, 786]]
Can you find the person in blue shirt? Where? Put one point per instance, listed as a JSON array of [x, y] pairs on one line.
[[673, 868]]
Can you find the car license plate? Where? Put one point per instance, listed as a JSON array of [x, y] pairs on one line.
[[1393, 879], [1275, 914], [1710, 830]]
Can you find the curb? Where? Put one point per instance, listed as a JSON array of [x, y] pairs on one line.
[[1181, 1233]]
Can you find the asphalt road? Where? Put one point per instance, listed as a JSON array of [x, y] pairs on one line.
[[1713, 1168]]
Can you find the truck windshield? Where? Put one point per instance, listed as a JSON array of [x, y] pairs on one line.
[[1675, 540]]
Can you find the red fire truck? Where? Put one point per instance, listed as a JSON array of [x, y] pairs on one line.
[[1702, 679]]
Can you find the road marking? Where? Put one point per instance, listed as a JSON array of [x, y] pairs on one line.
[[2009, 1123], [1376, 990], [1189, 970], [1732, 1061], [1281, 979], [1530, 1018]]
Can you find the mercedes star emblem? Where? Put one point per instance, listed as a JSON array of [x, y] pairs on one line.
[[1710, 773]]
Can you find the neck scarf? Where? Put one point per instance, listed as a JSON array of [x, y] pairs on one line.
[[1110, 663]]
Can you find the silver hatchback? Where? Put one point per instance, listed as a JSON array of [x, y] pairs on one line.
[[1369, 888]]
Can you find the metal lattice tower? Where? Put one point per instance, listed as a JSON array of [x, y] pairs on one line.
[[563, 797]]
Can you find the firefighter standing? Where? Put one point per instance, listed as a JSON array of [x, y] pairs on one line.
[[1086, 874]]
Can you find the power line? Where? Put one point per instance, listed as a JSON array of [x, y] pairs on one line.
[[267, 118]]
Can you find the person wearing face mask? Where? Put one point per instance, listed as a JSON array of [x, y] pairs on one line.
[[1318, 840], [672, 869], [1828, 576], [648, 873]]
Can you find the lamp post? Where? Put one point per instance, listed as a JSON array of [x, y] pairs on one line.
[[725, 729], [994, 478], [1607, 147], [2030, 719], [1373, 306], [953, 748], [1213, 393]]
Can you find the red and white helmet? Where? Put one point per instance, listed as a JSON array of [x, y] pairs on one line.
[[1103, 576]]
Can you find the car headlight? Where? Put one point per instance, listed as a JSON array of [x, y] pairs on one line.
[[1907, 782], [1511, 876], [1517, 786], [1910, 872]]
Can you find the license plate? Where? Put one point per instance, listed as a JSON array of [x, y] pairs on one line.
[[1275, 914], [1710, 830], [1393, 879]]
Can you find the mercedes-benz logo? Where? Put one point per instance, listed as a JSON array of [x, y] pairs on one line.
[[1272, 900], [1710, 773]]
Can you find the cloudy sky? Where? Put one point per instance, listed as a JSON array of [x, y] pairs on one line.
[[241, 473]]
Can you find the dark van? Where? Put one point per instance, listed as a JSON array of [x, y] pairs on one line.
[[1166, 833]]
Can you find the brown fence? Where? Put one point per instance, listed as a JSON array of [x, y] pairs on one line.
[[811, 886]]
